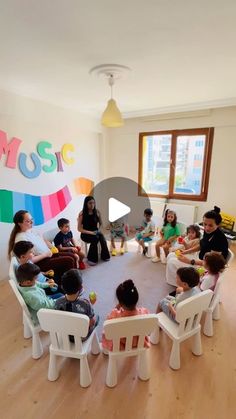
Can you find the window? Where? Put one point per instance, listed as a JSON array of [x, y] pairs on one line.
[[175, 164]]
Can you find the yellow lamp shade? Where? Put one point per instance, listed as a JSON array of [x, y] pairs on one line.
[[111, 117]]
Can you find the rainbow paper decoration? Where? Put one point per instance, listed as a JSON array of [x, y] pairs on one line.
[[42, 208]]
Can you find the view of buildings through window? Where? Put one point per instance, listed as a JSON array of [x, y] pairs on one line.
[[173, 164]]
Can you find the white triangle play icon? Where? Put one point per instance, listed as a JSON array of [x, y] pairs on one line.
[[116, 209]]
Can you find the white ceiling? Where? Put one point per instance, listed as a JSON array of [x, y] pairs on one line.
[[182, 52]]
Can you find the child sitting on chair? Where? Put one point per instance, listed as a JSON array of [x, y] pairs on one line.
[[186, 243], [72, 285], [187, 280], [169, 233], [117, 231], [127, 296], [65, 242], [31, 291], [214, 264], [147, 230], [23, 251]]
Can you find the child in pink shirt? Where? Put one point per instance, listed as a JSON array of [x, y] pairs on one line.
[[127, 296]]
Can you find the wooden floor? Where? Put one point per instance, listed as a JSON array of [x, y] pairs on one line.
[[204, 387]]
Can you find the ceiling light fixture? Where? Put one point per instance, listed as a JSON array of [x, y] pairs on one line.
[[111, 117]]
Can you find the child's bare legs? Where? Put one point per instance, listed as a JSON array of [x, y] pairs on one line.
[[166, 248], [113, 243], [159, 244], [77, 260], [141, 243], [81, 255], [122, 251]]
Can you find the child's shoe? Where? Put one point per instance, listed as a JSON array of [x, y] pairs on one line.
[[156, 259], [122, 250], [113, 253], [82, 266]]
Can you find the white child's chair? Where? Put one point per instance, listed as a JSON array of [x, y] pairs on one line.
[[129, 327], [188, 316], [49, 235], [60, 325], [30, 330], [213, 311]]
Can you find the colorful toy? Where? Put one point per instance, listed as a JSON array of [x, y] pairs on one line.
[[180, 240], [92, 297], [50, 273], [54, 250], [177, 253], [201, 270]]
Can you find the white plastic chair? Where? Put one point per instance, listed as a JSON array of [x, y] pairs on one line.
[[127, 328], [30, 330], [149, 247], [60, 325], [49, 235], [213, 311], [188, 316], [12, 269]]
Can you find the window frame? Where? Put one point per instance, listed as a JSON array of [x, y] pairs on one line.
[[209, 134]]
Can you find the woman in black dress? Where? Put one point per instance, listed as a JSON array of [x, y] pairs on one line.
[[89, 222], [213, 240]]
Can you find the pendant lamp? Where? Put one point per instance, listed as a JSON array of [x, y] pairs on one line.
[[111, 116]]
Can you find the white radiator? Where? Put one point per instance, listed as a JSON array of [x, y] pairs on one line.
[[185, 213]]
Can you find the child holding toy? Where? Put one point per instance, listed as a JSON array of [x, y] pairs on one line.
[[23, 251], [147, 230], [127, 296], [214, 264], [65, 242], [185, 244], [72, 285], [187, 280], [31, 291], [169, 233]]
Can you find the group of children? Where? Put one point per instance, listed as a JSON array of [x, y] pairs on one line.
[[40, 291]]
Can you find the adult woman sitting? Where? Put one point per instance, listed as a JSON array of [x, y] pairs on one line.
[[22, 231], [213, 240], [89, 222]]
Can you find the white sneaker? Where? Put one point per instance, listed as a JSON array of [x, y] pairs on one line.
[[156, 259]]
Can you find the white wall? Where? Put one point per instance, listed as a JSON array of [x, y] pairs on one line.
[[122, 151], [35, 121]]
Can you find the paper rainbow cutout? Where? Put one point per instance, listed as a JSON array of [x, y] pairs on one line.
[[42, 208]]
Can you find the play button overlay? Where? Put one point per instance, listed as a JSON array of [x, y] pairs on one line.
[[116, 210], [120, 198]]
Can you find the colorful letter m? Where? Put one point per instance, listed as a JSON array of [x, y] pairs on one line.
[[10, 149]]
